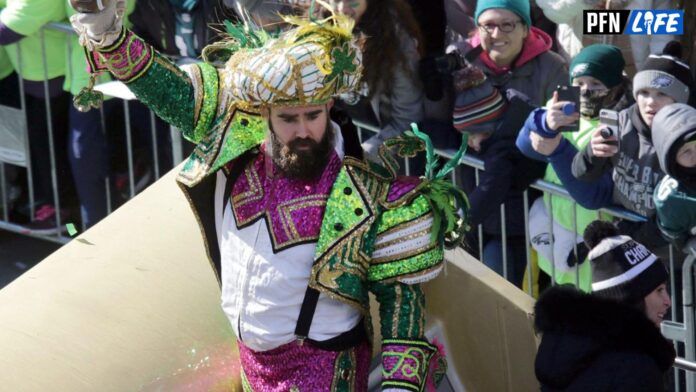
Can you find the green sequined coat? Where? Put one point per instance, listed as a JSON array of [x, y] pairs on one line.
[[195, 101]]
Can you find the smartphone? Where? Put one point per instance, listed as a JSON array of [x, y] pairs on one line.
[[609, 121], [571, 94]]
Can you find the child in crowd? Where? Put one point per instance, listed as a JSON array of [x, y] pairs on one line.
[[674, 135], [490, 121], [609, 340], [597, 70], [619, 170], [632, 166]]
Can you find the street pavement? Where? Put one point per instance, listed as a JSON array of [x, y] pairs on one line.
[[19, 253]]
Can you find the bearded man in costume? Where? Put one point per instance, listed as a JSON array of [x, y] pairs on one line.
[[297, 230]]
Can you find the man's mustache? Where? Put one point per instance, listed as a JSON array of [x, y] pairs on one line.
[[303, 143]]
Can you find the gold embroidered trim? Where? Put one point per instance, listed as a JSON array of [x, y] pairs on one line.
[[255, 192], [397, 307], [286, 209], [399, 240], [405, 255], [194, 73], [409, 223]]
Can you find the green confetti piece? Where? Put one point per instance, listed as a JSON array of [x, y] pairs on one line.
[[71, 229]]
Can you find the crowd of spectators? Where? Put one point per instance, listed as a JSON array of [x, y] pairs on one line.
[[457, 68], [488, 71], [492, 72]]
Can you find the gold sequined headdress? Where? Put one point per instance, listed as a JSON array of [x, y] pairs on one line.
[[306, 65]]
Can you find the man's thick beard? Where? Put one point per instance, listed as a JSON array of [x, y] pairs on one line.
[[302, 164]]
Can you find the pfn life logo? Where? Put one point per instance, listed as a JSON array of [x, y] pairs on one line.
[[636, 22]]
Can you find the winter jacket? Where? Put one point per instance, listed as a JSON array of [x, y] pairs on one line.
[[536, 72], [506, 175], [675, 195], [636, 169], [589, 194], [5, 64], [27, 18], [155, 22], [590, 182], [595, 344], [460, 16], [395, 110], [636, 48], [562, 208]]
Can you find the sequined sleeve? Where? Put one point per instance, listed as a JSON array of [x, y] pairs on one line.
[[409, 361], [404, 248], [187, 99]]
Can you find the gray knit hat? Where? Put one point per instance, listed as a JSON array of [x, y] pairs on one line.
[[665, 72]]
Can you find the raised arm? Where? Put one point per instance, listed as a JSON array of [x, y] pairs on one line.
[[593, 194], [187, 99]]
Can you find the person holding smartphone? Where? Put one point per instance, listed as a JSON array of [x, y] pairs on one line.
[[633, 164], [597, 73]]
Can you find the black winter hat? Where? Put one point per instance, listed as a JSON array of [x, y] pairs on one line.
[[622, 269]]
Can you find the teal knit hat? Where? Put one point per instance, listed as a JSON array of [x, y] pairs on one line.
[[520, 7], [602, 62]]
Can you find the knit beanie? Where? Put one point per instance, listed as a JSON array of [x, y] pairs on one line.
[[622, 269], [481, 105], [602, 62], [520, 7], [667, 73]]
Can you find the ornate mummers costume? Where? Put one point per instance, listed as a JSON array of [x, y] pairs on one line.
[[296, 258]]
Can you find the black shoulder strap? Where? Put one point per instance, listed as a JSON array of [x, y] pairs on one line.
[[304, 320], [311, 298]]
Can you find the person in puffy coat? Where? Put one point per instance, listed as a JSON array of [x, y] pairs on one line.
[[674, 135], [608, 340]]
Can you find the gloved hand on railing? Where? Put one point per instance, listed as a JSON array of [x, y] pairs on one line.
[[99, 29], [581, 256]]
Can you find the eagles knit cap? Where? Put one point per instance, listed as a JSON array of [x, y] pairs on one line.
[[622, 269], [602, 62], [476, 106], [520, 7], [667, 73]]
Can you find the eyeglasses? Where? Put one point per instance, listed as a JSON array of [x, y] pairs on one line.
[[505, 27]]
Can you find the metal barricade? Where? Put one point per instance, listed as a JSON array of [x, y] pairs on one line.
[[15, 148], [679, 332]]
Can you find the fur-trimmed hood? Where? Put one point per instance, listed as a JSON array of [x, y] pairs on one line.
[[579, 328]]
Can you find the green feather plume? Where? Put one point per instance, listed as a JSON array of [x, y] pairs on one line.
[[431, 159], [446, 200]]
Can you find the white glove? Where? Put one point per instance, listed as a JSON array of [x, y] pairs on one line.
[[100, 29]]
